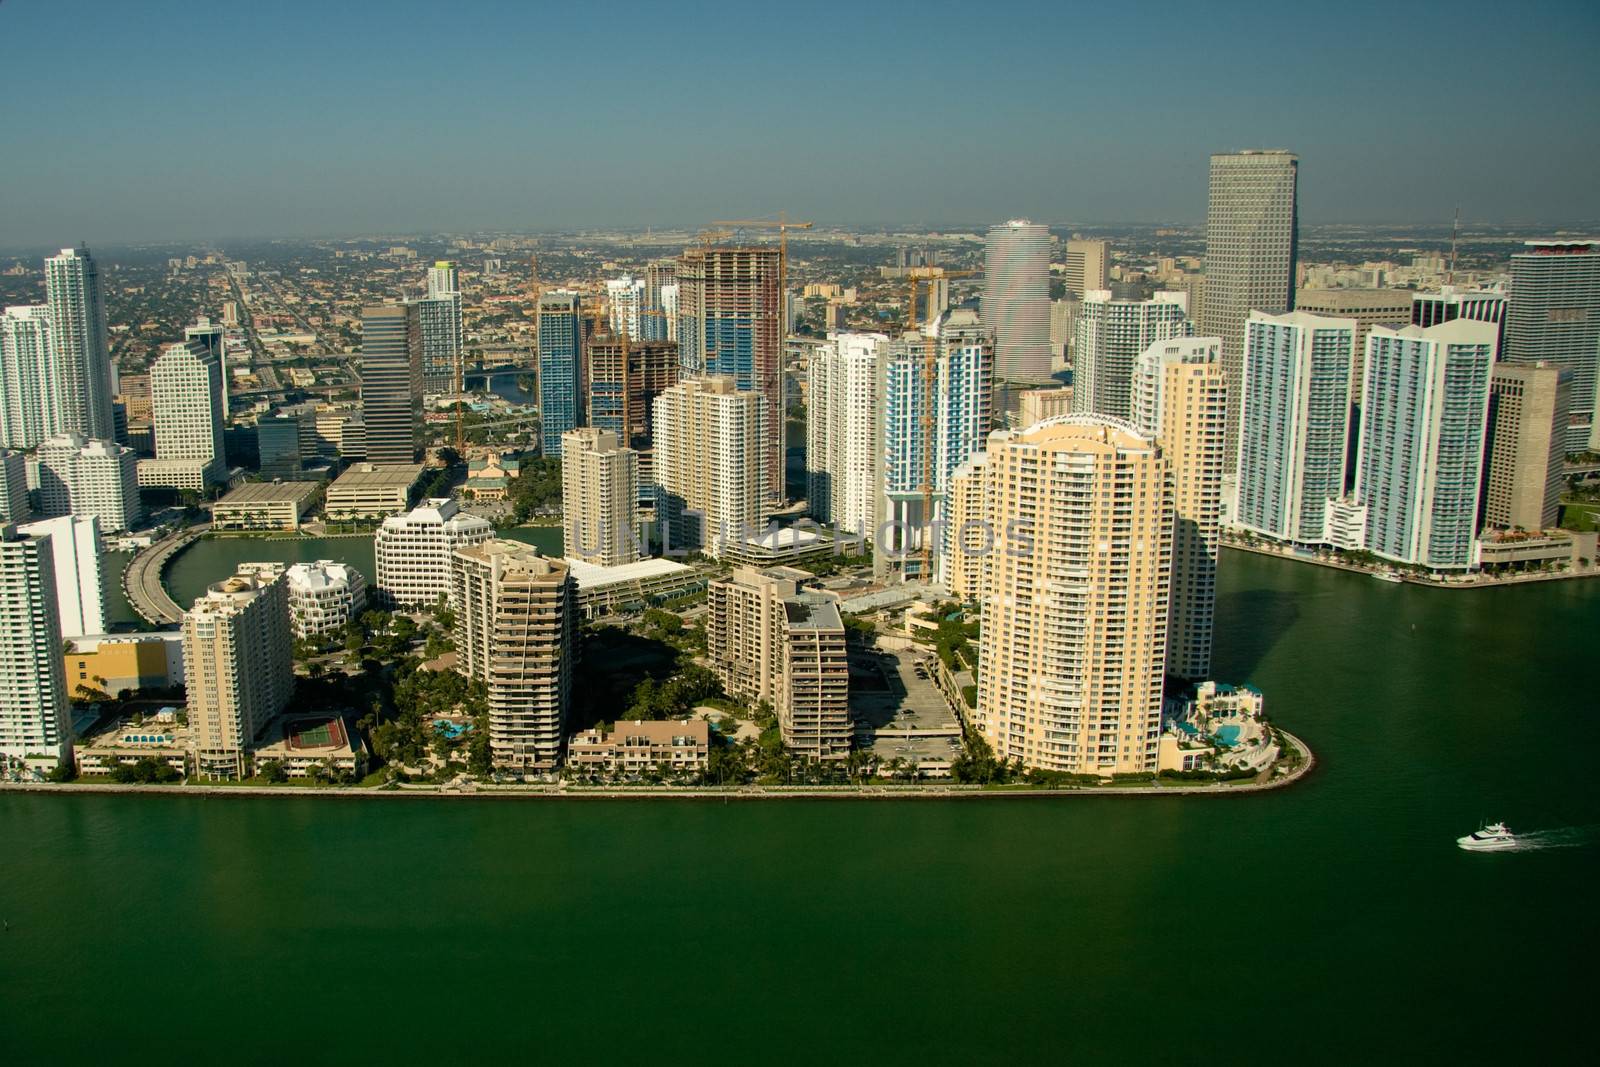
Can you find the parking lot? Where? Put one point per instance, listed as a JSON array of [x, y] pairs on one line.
[[898, 708]]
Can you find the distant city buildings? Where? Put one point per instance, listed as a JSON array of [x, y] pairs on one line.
[[1016, 299], [414, 552], [1294, 439], [237, 666], [35, 715], [1111, 335], [710, 474], [1252, 234], [1074, 597], [516, 631], [1086, 263], [560, 368], [772, 642], [1553, 316], [844, 453], [600, 494], [391, 382], [440, 325]]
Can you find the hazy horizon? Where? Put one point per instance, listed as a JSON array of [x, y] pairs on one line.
[[177, 121]]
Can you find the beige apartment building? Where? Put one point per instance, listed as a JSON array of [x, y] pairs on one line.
[[237, 666], [1526, 452], [641, 747], [516, 631], [709, 468], [599, 497], [1036, 405], [966, 533], [771, 641], [1075, 596], [1180, 398]]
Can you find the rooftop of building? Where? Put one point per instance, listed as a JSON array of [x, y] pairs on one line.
[[592, 575], [655, 732], [378, 476], [813, 611], [1468, 331], [1081, 429], [321, 574], [272, 493], [515, 554], [1355, 299]]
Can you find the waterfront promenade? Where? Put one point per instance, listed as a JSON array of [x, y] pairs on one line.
[[142, 580], [1473, 581]]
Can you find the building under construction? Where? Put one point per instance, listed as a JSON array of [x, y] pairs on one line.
[[625, 377]]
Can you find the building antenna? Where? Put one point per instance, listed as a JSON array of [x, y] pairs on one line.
[[1455, 233]]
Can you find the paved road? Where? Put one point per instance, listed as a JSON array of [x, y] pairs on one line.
[[142, 580]]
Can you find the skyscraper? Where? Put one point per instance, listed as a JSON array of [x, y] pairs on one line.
[[14, 505], [214, 337], [962, 395], [1074, 596], [560, 368], [1553, 316], [439, 320], [625, 377], [1086, 267], [1180, 398], [82, 371], [35, 714], [1252, 234], [27, 395], [1526, 449], [659, 320], [730, 308], [1111, 335], [237, 666], [599, 495], [186, 405], [1368, 307], [391, 382], [1450, 303], [966, 534], [516, 631], [710, 481], [1419, 467], [1294, 439], [75, 548], [625, 305], [1016, 299], [844, 454], [83, 478]]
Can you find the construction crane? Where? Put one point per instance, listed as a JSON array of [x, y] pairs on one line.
[[783, 226], [930, 375]]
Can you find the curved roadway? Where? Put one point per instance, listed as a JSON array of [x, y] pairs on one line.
[[142, 580]]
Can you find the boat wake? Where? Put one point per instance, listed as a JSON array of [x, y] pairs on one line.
[[1561, 837]]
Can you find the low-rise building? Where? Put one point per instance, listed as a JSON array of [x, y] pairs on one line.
[[641, 747], [1523, 550], [1219, 728], [110, 663], [159, 737], [632, 586], [265, 506], [324, 596], [302, 744], [489, 477], [372, 490]]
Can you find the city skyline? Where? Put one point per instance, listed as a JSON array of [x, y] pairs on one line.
[[1049, 129]]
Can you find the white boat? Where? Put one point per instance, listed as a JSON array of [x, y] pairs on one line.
[[1488, 838], [1386, 576]]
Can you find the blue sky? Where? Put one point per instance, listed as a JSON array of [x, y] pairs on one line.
[[140, 121]]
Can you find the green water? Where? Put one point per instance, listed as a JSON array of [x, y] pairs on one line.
[[214, 558], [1332, 920]]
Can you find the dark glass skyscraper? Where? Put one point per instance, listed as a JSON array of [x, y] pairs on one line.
[[560, 367], [391, 382]]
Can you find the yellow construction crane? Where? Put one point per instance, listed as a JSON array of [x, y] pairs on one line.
[[930, 375], [783, 226]]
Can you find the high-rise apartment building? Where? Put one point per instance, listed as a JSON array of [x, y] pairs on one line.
[[186, 402], [1111, 336], [1016, 299], [323, 596], [1294, 438], [391, 382], [625, 377], [84, 478], [439, 325], [658, 321], [414, 552], [625, 306], [35, 714], [1036, 405], [1526, 449], [962, 394], [599, 497], [771, 641], [237, 666], [1252, 235], [14, 504], [730, 308], [710, 478], [1086, 267], [844, 453], [1553, 316], [1180, 398], [1368, 307], [1074, 596], [27, 394], [560, 367], [967, 534], [81, 377], [1419, 468], [75, 548], [516, 631]]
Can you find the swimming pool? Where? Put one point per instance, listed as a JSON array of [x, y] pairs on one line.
[[1227, 735]]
